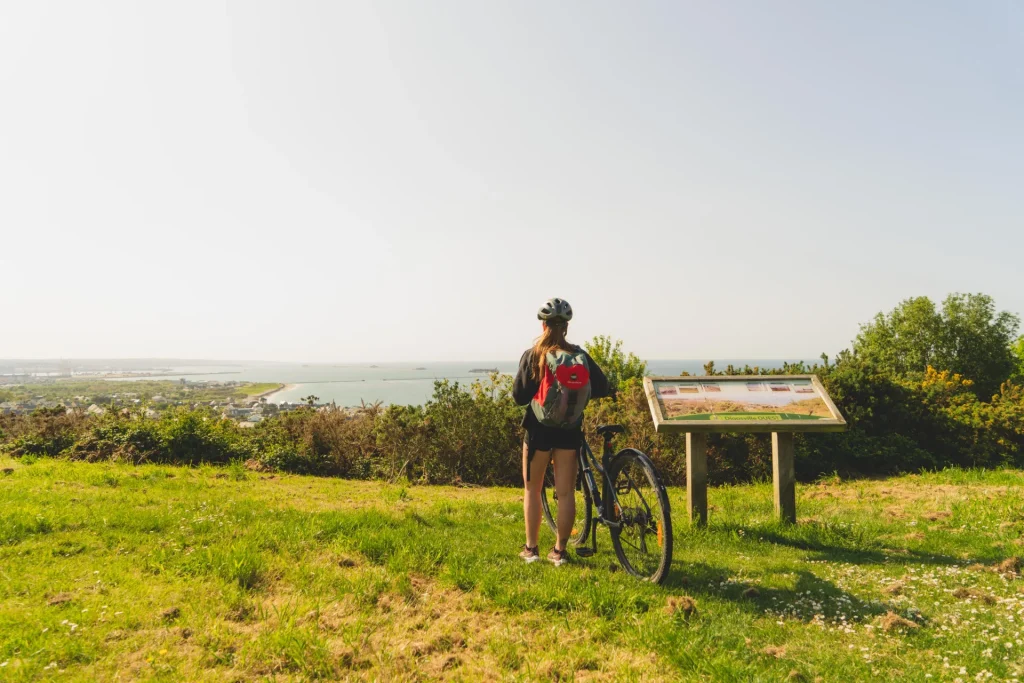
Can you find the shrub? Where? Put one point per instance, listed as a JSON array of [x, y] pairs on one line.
[[192, 437], [472, 436], [44, 432]]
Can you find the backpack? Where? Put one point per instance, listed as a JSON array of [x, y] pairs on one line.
[[564, 390]]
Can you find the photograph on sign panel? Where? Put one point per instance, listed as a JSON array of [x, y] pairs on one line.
[[769, 400]]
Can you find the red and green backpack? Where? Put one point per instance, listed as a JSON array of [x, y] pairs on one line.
[[564, 389]]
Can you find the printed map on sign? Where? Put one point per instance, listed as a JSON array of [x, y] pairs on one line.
[[752, 400]]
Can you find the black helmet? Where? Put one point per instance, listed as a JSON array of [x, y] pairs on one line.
[[555, 309]]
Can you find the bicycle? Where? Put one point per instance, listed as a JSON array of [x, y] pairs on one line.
[[639, 518]]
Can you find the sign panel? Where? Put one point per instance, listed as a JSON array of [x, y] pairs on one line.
[[741, 403]]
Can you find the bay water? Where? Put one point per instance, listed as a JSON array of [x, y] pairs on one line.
[[400, 383]]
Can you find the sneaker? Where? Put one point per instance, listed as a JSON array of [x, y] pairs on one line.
[[558, 557], [529, 554]]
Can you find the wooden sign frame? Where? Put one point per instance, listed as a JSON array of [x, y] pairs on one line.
[[836, 423]]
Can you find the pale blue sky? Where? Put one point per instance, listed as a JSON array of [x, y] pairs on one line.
[[344, 181]]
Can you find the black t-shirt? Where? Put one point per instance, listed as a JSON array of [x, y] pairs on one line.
[[525, 386]]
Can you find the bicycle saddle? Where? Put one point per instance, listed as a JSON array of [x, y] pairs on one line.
[[610, 429]]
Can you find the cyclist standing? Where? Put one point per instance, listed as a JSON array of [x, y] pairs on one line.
[[555, 379]]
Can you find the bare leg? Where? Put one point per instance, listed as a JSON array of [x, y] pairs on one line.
[[531, 492], [565, 485]]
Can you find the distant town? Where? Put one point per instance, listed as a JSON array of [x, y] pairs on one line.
[[244, 402]]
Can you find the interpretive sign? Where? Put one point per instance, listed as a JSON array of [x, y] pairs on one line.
[[741, 403], [744, 403]]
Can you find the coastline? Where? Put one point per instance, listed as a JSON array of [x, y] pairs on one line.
[[280, 387]]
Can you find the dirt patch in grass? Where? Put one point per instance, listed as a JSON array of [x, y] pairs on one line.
[[966, 593], [430, 631], [936, 516], [682, 605], [153, 658], [894, 622], [895, 588], [777, 651], [1009, 567], [60, 599]]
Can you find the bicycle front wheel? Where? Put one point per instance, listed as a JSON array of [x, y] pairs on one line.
[[643, 537], [584, 507]]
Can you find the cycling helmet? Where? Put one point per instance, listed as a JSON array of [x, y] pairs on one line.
[[555, 309]]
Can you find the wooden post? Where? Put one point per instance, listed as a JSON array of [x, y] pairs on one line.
[[784, 476], [697, 477]]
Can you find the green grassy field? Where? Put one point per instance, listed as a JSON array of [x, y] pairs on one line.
[[257, 388], [162, 573]]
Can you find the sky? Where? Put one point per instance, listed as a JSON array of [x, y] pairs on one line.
[[359, 181]]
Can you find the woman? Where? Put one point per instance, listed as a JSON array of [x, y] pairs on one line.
[[552, 441]]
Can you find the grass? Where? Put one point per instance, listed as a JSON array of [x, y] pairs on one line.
[[164, 573], [257, 388]]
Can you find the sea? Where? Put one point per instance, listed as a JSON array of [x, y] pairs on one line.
[[389, 383]]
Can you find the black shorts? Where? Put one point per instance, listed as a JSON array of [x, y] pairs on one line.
[[542, 438]]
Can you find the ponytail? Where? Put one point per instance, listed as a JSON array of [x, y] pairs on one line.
[[553, 338]]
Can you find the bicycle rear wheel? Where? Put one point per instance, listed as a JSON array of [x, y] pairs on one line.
[[584, 507], [643, 539]]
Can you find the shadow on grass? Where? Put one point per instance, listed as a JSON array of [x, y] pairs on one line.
[[837, 543], [810, 595]]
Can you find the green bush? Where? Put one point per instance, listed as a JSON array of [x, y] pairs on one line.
[[44, 432]]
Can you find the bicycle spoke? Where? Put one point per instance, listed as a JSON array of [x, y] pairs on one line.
[[641, 516], [639, 493]]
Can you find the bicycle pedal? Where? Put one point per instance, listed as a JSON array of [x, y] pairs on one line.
[[585, 552]]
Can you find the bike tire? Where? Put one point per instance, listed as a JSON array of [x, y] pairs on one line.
[[584, 507], [644, 513]]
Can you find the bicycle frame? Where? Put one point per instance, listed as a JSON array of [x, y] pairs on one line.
[[586, 457]]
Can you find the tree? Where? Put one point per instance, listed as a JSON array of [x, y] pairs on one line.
[[903, 341], [1018, 353], [967, 336], [618, 367]]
